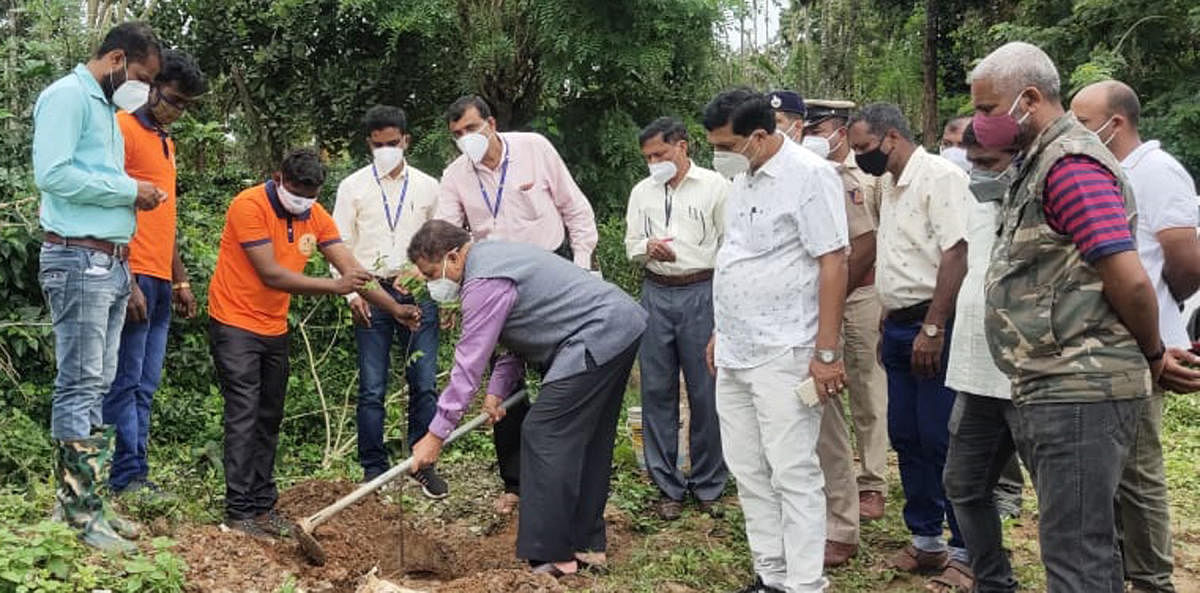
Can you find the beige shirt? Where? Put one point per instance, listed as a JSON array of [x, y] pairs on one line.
[[922, 215], [363, 221], [696, 225], [861, 191]]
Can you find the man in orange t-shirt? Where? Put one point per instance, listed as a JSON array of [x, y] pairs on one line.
[[159, 277], [271, 230]]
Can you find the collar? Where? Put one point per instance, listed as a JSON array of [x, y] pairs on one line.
[[89, 83], [504, 153], [143, 117], [1142, 151], [848, 163], [400, 177], [277, 206], [772, 167], [915, 164], [691, 174]]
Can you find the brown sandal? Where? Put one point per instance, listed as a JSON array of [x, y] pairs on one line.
[[956, 578], [910, 559]]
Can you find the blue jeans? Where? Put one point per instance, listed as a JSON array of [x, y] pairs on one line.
[[374, 360], [139, 368], [86, 291], [918, 426]]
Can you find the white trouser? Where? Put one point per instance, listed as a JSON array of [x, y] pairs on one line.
[[769, 438]]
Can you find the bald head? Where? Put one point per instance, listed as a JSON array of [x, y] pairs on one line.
[[1116, 97]]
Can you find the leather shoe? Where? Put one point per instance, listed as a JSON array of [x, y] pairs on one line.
[[870, 505], [669, 510], [838, 553]]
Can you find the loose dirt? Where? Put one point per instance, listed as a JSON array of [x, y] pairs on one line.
[[440, 558]]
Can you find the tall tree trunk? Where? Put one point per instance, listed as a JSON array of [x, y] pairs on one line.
[[929, 127]]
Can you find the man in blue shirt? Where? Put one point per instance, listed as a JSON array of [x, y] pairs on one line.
[[88, 215]]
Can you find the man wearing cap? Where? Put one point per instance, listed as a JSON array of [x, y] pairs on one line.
[[789, 112], [825, 134], [674, 225]]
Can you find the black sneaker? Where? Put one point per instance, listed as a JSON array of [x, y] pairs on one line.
[[274, 524], [758, 587], [431, 483], [249, 527]]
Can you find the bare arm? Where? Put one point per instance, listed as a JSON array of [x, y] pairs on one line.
[[951, 271], [862, 260], [1129, 291], [340, 257], [262, 257], [1181, 257]]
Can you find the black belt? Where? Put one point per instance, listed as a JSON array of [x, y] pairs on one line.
[[911, 314]]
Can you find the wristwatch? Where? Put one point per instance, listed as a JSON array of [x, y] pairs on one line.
[[828, 356], [931, 330]]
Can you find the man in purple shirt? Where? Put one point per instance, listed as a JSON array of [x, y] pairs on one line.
[[582, 332]]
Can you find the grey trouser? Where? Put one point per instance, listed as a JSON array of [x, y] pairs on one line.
[[1143, 517], [1076, 452], [677, 333]]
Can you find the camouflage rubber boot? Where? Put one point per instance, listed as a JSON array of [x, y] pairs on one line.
[[77, 470], [124, 527]]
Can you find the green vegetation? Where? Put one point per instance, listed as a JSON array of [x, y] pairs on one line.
[[587, 75]]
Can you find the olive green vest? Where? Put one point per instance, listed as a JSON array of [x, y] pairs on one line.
[[1049, 326]]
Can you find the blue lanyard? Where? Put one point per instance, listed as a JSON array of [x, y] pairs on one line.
[[495, 208], [387, 211]]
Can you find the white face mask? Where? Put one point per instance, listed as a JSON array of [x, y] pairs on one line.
[[1101, 130], [443, 290], [958, 156], [293, 203], [663, 171], [817, 144], [387, 158], [132, 94], [729, 163], [474, 145]]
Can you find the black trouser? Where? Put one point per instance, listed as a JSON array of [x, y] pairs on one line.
[[252, 370], [566, 461], [506, 434]]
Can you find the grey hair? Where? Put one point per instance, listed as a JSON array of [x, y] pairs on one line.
[[1017, 65], [882, 117]]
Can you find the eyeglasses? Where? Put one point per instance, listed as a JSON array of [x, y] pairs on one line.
[[178, 104]]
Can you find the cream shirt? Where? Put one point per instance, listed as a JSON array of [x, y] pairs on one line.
[[778, 222], [363, 221], [971, 368], [695, 227], [922, 215]]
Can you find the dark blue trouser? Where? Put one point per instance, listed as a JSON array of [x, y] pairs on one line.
[[139, 368], [374, 360], [918, 419]]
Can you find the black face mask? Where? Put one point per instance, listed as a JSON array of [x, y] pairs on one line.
[[873, 162]]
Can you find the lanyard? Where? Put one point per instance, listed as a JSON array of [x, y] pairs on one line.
[[387, 211], [667, 205], [495, 208]]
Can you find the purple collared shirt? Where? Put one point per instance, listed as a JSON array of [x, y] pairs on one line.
[[485, 306]]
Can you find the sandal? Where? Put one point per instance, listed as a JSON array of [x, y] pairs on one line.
[[956, 578], [506, 503], [910, 559], [552, 570], [598, 567]]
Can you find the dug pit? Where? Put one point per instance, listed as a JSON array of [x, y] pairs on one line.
[[459, 556]]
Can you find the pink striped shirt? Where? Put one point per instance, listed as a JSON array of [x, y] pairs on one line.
[[1082, 200], [539, 198]]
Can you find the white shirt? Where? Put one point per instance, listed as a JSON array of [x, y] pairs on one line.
[[363, 221], [778, 221], [971, 369], [1166, 199], [924, 214], [695, 227]]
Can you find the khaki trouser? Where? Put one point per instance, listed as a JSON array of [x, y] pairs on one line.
[[1143, 517], [868, 388], [837, 464]]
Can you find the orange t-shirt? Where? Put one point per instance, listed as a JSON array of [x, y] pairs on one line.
[[150, 157], [236, 295]]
